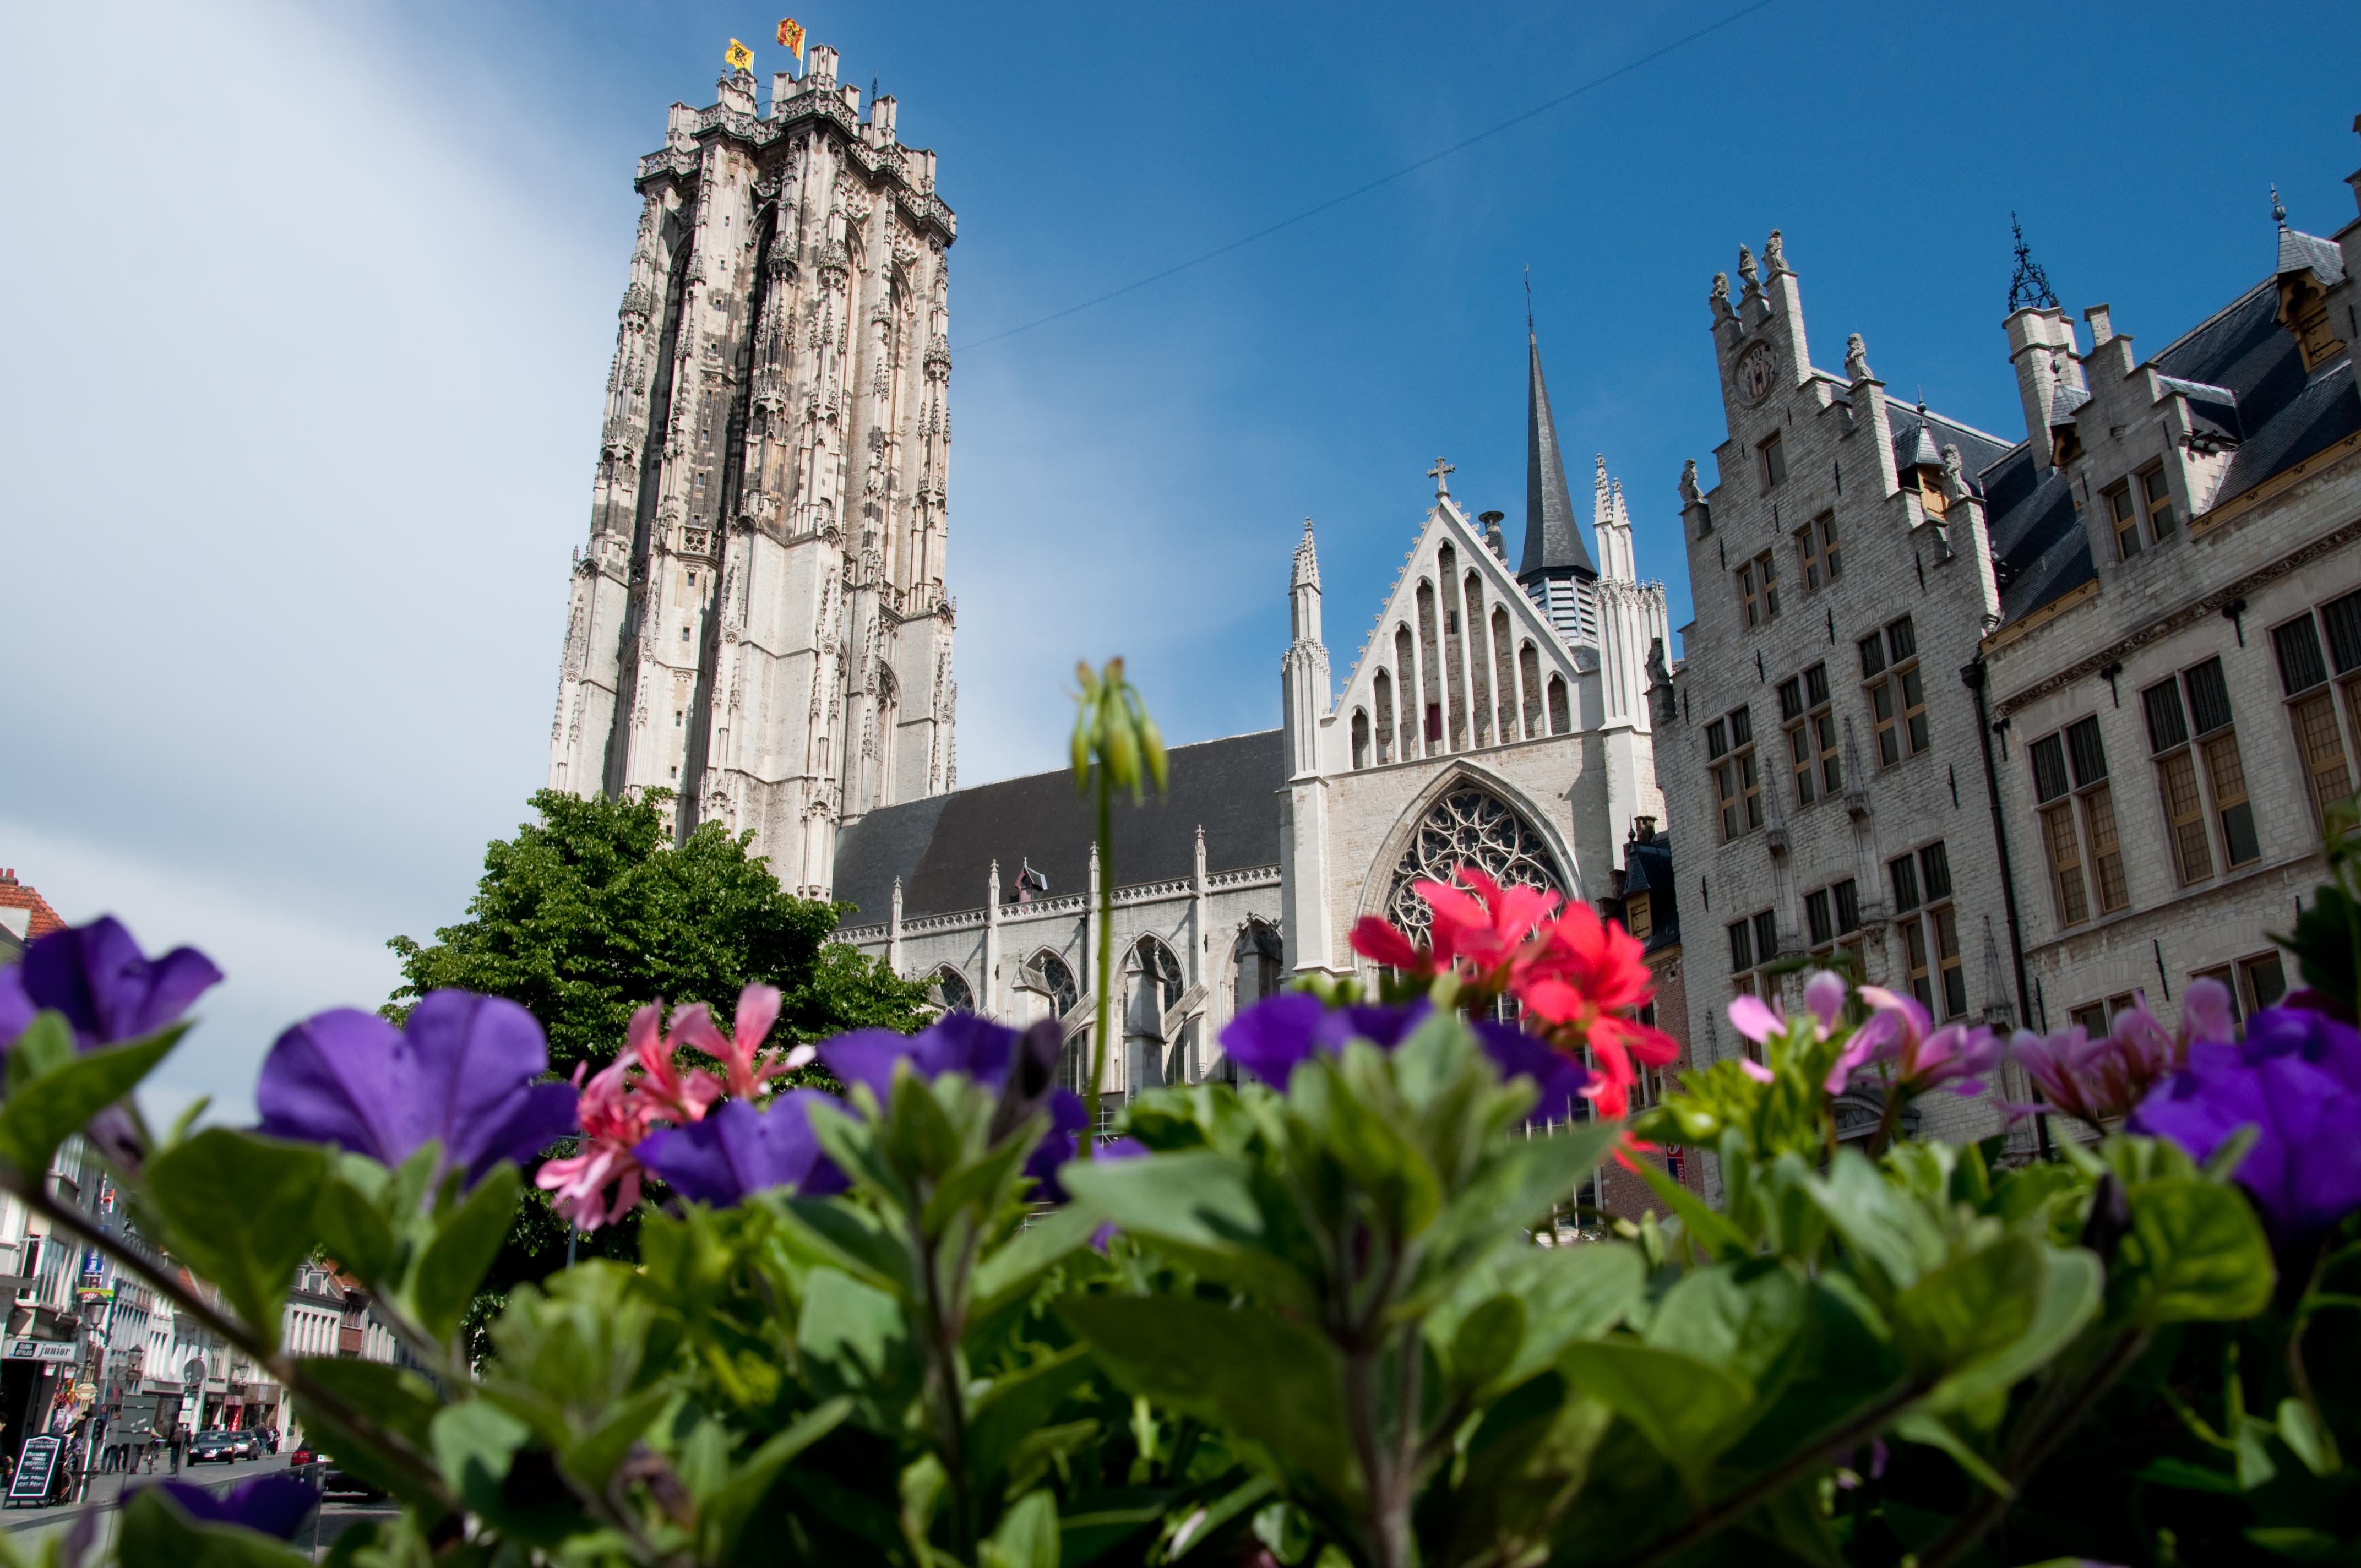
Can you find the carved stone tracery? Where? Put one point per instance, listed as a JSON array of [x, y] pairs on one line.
[[1467, 826]]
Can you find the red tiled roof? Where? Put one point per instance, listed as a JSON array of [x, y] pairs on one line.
[[15, 896]]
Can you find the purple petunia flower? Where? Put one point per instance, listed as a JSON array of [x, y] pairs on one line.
[[739, 1149], [96, 976], [275, 1505], [986, 1052], [1269, 1038], [462, 1072], [2297, 1082]]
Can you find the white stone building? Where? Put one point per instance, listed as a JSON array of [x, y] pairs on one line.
[[1494, 715], [2027, 726], [2174, 683], [759, 621]]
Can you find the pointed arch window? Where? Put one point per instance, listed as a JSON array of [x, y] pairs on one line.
[[1468, 825], [952, 992], [1154, 988]]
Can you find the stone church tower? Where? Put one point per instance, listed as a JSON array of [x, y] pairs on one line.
[[758, 622]]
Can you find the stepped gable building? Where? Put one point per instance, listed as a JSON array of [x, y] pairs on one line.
[[1818, 749], [2173, 682], [1496, 714], [2026, 727], [759, 621]]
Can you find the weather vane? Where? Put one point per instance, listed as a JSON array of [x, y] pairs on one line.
[[2030, 287]]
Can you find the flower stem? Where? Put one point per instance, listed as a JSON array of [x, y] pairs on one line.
[[1107, 962], [420, 1470]]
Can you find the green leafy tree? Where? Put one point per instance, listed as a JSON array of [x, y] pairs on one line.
[[593, 911]]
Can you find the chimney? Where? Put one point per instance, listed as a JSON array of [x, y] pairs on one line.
[[2102, 328], [2041, 347]]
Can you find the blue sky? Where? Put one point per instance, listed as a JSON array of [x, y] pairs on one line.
[[311, 309]]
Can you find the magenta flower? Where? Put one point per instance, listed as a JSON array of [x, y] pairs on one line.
[[275, 1505], [2297, 1082], [96, 976], [740, 1150], [1900, 1036], [462, 1073], [2096, 1080]]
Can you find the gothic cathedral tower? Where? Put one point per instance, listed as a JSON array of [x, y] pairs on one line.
[[760, 622]]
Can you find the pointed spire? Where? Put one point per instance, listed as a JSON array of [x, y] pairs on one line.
[[2030, 286], [1307, 561], [1553, 539]]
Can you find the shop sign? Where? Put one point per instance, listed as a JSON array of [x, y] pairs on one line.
[[40, 1350]]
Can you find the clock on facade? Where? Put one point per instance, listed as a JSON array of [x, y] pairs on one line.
[[1754, 372]]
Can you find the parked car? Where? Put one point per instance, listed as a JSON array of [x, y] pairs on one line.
[[343, 1483], [229, 1447]]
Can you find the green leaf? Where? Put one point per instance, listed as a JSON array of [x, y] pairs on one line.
[[2187, 1478], [1517, 1187], [1707, 1225], [2195, 1253], [1199, 1208], [1743, 1317], [856, 1240], [1877, 1219], [52, 1097], [857, 1341], [397, 1400], [1017, 1404], [592, 1458], [1689, 1410], [157, 1534], [1922, 1428], [1011, 1272], [475, 1442], [46, 1044], [1570, 1293], [464, 1245], [353, 1230], [1027, 1535], [237, 1210], [1983, 1362], [1269, 1381], [722, 1519], [1488, 1341], [2308, 1438]]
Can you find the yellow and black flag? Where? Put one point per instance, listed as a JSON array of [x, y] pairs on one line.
[[737, 56], [791, 38]]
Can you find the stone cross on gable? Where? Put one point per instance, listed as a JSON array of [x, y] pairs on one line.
[[1440, 474]]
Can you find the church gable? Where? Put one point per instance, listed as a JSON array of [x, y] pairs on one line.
[[1460, 660]]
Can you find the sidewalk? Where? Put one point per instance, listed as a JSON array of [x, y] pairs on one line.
[[106, 1490]]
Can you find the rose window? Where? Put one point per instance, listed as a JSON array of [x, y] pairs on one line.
[[1467, 827]]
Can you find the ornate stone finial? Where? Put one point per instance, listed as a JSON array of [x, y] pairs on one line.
[[1746, 267], [1690, 493], [2278, 208], [1307, 560], [1857, 359], [1775, 255], [2030, 287], [1719, 295], [1440, 474]]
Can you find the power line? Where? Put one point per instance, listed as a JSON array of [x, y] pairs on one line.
[[1381, 181]]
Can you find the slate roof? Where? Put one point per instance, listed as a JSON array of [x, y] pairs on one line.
[[2244, 376], [1648, 868], [2298, 250], [1553, 538], [942, 846]]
